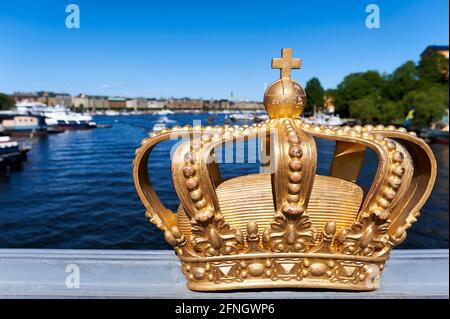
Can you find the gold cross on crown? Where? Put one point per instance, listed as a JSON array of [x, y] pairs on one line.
[[286, 63]]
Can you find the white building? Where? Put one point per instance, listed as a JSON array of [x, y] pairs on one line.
[[155, 104], [137, 103]]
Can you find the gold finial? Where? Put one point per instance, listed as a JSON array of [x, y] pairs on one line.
[[285, 98], [286, 63]]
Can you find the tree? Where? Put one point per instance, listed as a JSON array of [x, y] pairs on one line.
[[391, 112], [433, 69], [6, 102], [431, 103], [364, 109], [374, 109], [357, 86], [402, 81], [315, 95]]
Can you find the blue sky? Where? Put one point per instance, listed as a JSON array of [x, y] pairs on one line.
[[205, 48]]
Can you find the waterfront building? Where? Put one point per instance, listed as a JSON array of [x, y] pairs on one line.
[[53, 99], [48, 98], [63, 99], [184, 104], [155, 104], [80, 101], [45, 97], [329, 104], [441, 49], [25, 97], [90, 102], [249, 105], [97, 102], [117, 103], [136, 103], [216, 105]]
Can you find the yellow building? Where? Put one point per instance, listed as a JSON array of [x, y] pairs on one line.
[[441, 49]]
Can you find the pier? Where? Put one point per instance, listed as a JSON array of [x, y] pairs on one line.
[[52, 273]]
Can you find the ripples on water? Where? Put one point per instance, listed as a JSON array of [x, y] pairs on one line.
[[76, 191]]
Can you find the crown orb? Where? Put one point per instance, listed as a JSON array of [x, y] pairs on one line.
[[284, 98]]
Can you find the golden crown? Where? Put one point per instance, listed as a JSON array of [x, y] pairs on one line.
[[288, 228]]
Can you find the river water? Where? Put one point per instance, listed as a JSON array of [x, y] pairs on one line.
[[76, 190]]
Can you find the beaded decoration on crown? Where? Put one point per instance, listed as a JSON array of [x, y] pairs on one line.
[[288, 228]]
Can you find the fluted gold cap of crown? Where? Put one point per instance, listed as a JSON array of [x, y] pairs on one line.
[[285, 98]]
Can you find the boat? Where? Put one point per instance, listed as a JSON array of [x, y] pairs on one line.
[[438, 132], [104, 125], [261, 117], [19, 124], [63, 119], [55, 130], [325, 119], [439, 136], [111, 113], [12, 151], [57, 118], [431, 135], [162, 122], [164, 112], [241, 117]]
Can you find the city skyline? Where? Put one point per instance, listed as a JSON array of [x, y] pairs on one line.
[[150, 51]]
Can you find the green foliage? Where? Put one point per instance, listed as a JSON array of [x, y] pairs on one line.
[[6, 102], [356, 86], [432, 69], [391, 112], [403, 80], [372, 97], [373, 109], [364, 108], [315, 95], [431, 103]]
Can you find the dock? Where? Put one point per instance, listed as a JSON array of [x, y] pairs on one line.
[[53, 273]]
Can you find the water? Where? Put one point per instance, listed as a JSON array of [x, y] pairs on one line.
[[76, 191]]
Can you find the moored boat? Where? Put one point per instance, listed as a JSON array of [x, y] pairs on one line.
[[22, 124], [12, 151], [164, 112], [58, 118], [325, 119], [162, 122], [438, 132], [242, 117]]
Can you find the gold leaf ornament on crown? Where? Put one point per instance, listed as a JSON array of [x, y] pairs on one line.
[[290, 228]]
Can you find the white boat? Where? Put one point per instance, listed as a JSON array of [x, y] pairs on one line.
[[325, 119], [12, 151], [241, 117], [158, 126], [261, 117], [162, 123], [111, 113], [58, 117], [164, 112]]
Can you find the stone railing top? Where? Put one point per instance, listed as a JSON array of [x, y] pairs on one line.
[[42, 273]]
